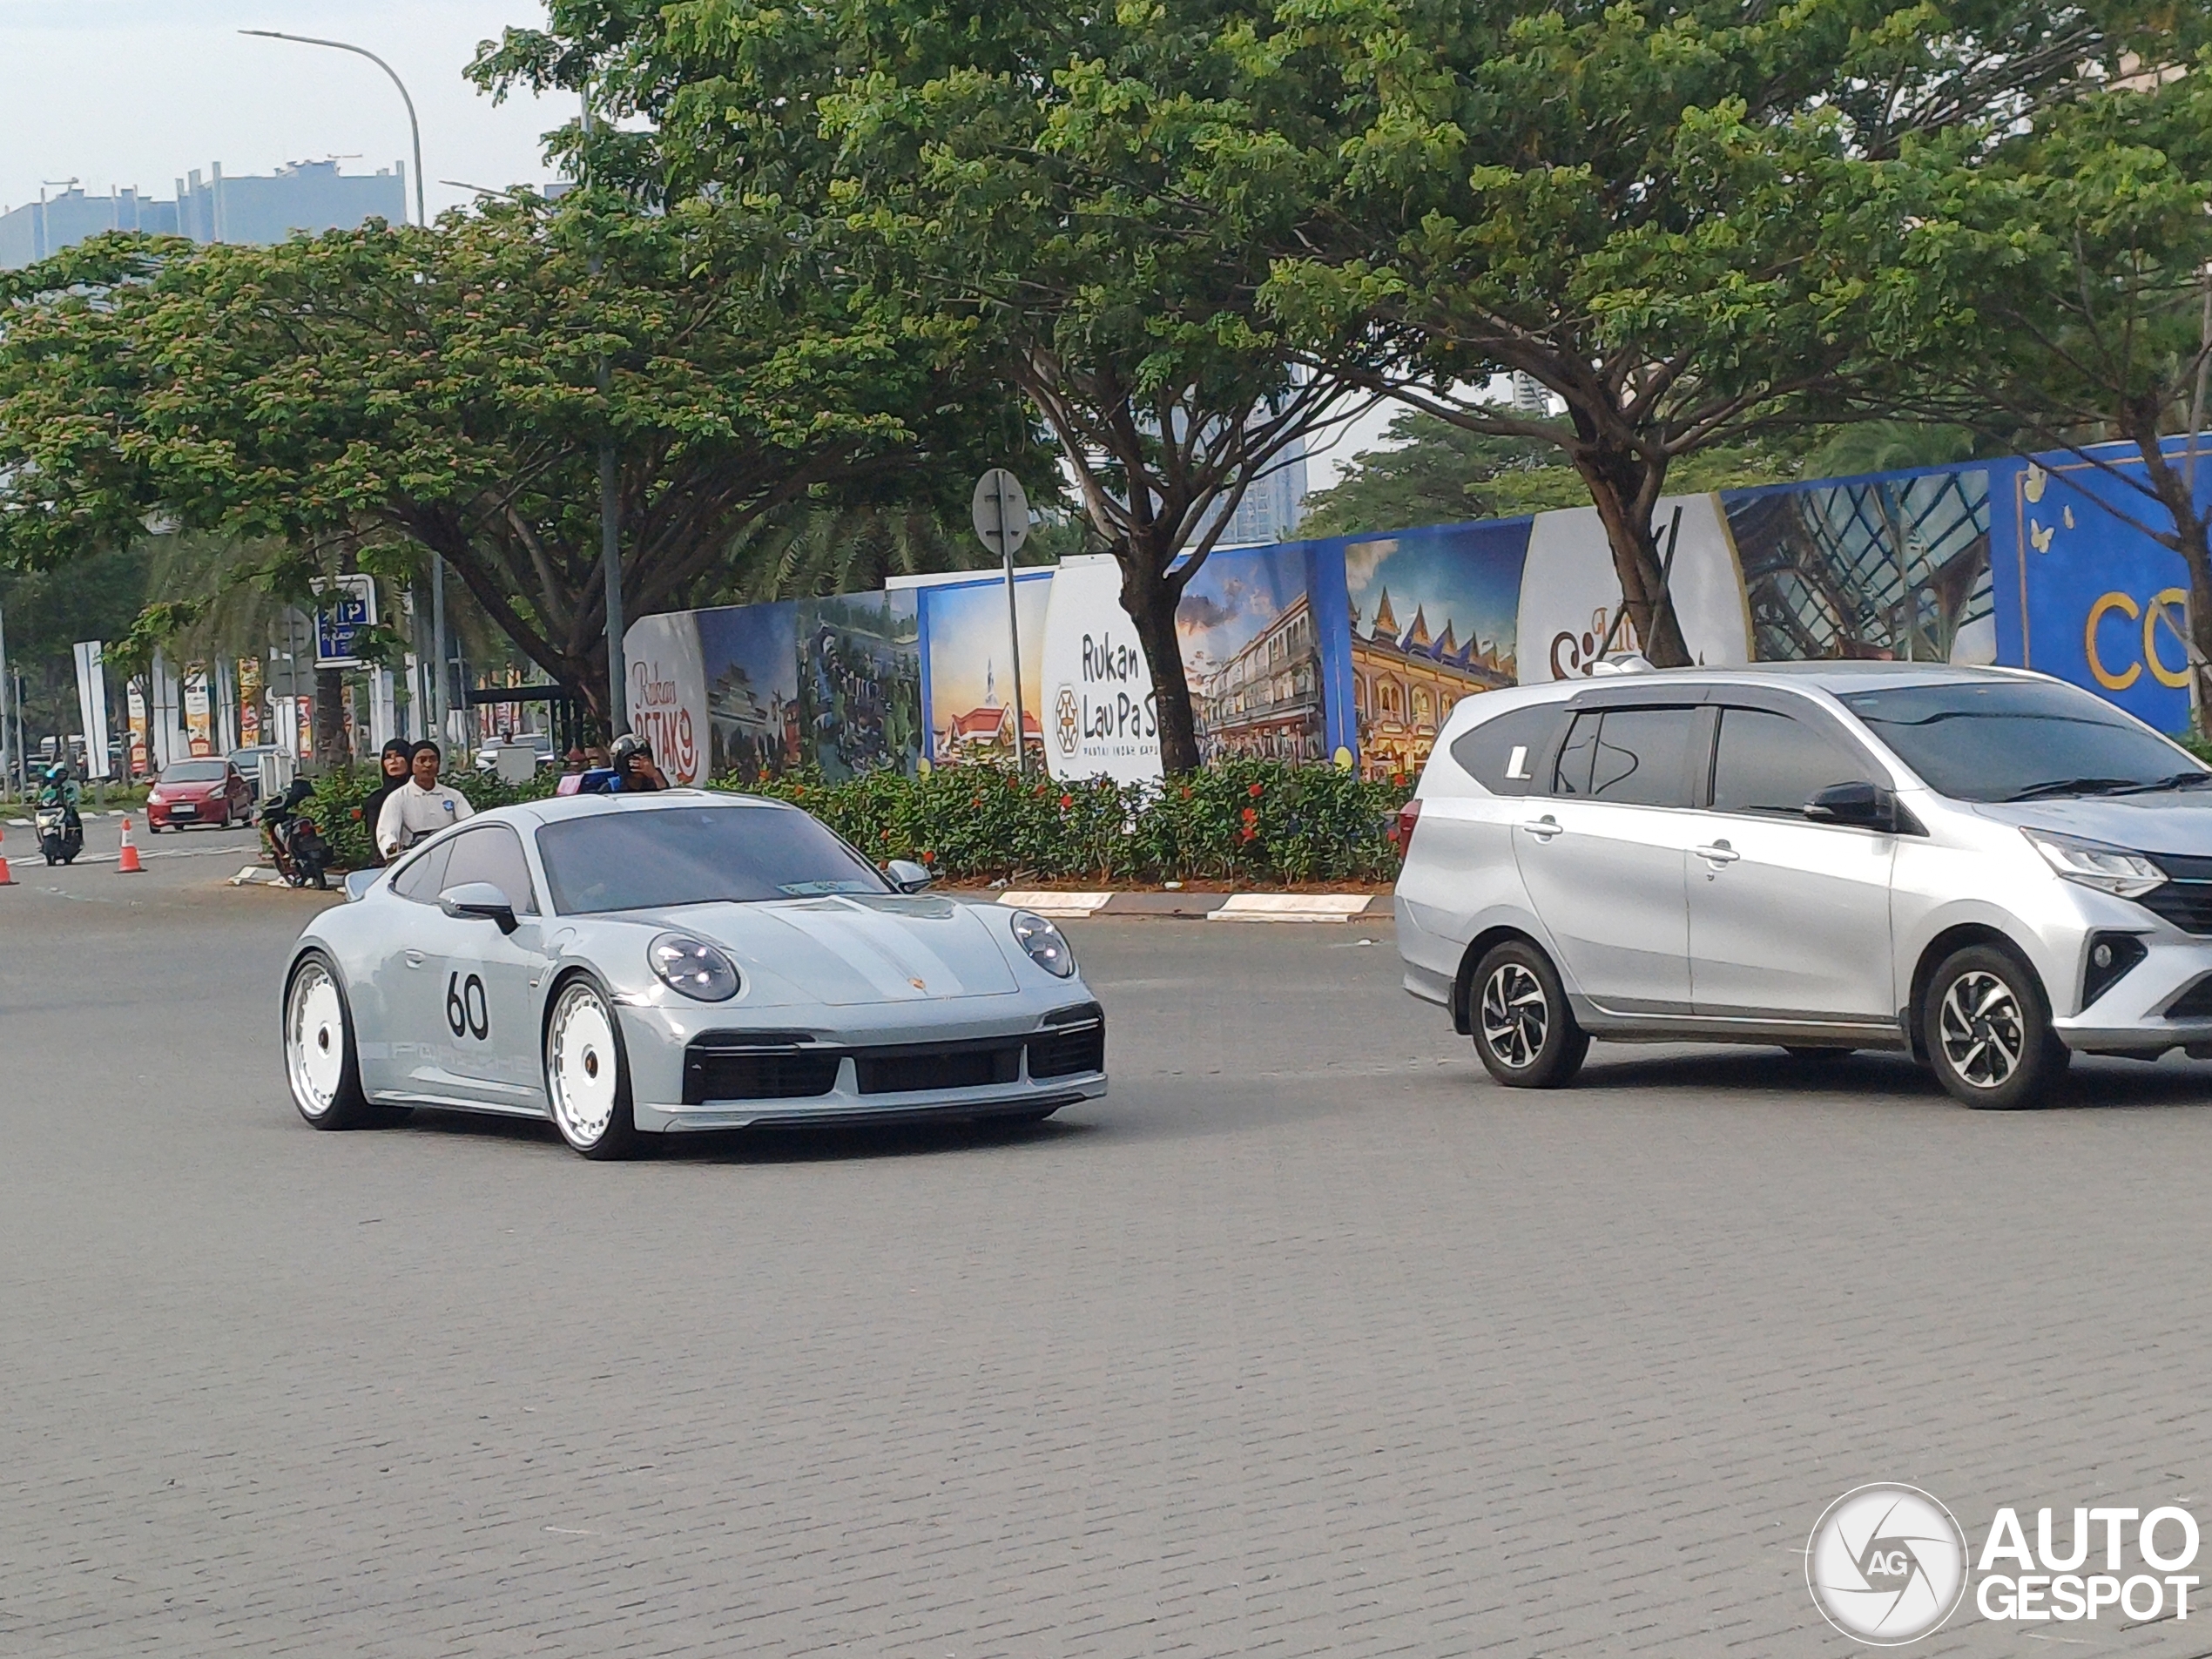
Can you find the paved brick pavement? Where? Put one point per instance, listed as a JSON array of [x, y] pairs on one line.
[[1306, 1340]]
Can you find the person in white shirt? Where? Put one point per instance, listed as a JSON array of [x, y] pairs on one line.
[[420, 807]]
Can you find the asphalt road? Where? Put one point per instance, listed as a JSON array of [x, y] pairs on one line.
[[1307, 1340]]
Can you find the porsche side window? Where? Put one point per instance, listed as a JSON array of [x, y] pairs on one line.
[[423, 880], [493, 853]]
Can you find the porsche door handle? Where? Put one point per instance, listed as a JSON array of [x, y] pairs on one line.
[[1542, 828], [1718, 853], [415, 959]]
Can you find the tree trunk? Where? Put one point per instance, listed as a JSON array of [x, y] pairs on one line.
[[2192, 539], [1150, 598], [330, 719], [1625, 488]]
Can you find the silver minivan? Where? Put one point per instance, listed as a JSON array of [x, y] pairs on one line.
[[1987, 868]]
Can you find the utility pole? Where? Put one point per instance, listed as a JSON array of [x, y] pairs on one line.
[[609, 522], [440, 691], [7, 750]]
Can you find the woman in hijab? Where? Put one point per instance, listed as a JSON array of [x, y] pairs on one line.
[[398, 755]]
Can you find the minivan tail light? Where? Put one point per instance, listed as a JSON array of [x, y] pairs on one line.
[[1402, 834]]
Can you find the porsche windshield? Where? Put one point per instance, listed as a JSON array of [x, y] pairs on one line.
[[651, 858]]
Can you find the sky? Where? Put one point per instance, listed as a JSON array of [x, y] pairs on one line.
[[139, 92], [117, 93], [968, 644]]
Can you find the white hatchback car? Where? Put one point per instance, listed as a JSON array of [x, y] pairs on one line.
[[1987, 868]]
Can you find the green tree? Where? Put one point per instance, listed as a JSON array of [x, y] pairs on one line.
[[1438, 473], [1690, 222], [2076, 262], [1025, 176], [368, 394]]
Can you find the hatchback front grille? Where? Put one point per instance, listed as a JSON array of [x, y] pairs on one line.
[[2188, 905]]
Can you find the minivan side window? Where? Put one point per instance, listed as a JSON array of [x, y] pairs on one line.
[[1766, 762], [1643, 757], [1576, 756]]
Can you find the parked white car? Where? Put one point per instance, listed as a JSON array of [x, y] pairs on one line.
[[1987, 868]]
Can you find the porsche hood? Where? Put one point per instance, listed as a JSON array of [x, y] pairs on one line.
[[845, 950]]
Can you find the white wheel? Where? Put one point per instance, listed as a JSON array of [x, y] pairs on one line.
[[319, 1048], [584, 1073]]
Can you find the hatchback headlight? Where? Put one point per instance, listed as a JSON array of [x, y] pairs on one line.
[[2108, 869], [693, 967], [1048, 947]]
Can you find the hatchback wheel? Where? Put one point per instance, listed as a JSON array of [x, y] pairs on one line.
[[1987, 1033], [587, 1073], [319, 1059], [1526, 1035]]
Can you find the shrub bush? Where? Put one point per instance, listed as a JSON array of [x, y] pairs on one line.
[[1243, 822]]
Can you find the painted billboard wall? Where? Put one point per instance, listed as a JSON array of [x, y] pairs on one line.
[[1356, 648]]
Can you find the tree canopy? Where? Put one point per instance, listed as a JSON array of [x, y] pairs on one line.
[[1028, 177], [364, 395], [1690, 222]]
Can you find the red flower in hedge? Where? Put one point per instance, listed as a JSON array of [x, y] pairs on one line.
[[887, 835], [1066, 801], [1250, 817], [1257, 791], [1249, 834], [927, 856], [798, 789]]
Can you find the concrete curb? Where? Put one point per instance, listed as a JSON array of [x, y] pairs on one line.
[[1206, 907]]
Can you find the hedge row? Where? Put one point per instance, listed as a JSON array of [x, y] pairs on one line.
[[1240, 821]]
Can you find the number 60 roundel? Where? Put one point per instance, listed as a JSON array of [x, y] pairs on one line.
[[467, 1011]]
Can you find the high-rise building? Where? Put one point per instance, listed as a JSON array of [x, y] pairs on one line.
[[308, 196], [41, 228]]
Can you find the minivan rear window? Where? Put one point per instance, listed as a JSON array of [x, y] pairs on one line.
[[1503, 754]]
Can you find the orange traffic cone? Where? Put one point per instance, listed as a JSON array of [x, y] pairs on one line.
[[127, 862], [6, 880]]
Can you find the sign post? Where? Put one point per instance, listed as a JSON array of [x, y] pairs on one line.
[[1001, 512], [345, 607]]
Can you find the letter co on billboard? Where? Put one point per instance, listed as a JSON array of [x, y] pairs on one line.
[[1888, 1565]]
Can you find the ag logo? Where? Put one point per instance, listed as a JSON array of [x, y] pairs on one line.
[[1886, 1565], [1067, 722]]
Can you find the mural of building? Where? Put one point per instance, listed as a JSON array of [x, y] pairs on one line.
[[1265, 701], [1406, 683], [1882, 568], [986, 732]]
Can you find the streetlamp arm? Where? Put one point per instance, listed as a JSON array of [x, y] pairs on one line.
[[413, 127]]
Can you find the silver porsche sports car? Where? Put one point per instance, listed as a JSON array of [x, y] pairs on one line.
[[680, 960]]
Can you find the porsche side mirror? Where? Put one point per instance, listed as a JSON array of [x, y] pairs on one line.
[[907, 876], [479, 899], [1864, 804]]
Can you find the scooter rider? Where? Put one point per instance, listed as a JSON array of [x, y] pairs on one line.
[[61, 790], [630, 771], [420, 807]]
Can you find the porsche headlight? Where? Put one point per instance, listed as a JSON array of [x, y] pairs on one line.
[[2108, 869], [1047, 946], [693, 967]]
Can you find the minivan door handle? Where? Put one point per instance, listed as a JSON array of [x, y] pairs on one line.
[[1718, 853], [1543, 828]]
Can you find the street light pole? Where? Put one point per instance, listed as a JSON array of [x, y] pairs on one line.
[[438, 692], [610, 535]]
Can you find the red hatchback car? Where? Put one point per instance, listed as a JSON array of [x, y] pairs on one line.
[[199, 791]]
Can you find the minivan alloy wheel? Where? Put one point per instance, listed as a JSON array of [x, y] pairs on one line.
[[1515, 1014], [1983, 1033]]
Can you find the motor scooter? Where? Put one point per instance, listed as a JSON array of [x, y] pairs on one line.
[[294, 840], [61, 832]]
